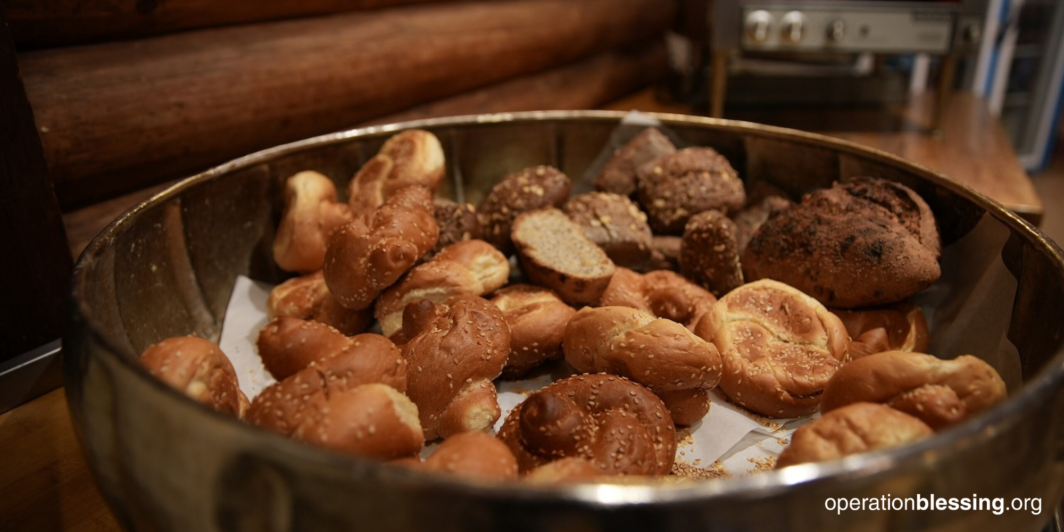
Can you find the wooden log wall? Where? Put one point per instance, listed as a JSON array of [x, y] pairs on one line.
[[120, 115]]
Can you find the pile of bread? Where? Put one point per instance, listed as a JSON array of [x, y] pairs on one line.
[[813, 315]]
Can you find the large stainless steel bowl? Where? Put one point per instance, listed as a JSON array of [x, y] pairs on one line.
[[167, 268]]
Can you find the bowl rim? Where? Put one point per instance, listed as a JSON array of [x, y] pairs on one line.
[[603, 496]]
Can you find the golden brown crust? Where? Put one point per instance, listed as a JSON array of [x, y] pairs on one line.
[[308, 298], [615, 224], [537, 318], [709, 253], [472, 267], [687, 182], [619, 174], [555, 253], [857, 428], [752, 217], [412, 157], [897, 327], [455, 350], [862, 243], [457, 223], [311, 215], [664, 253], [372, 420], [662, 293], [939, 392], [526, 190], [474, 455], [565, 471], [780, 347], [363, 359], [621, 427], [200, 370], [369, 254], [657, 353]]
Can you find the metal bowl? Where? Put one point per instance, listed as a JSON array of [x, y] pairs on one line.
[[167, 267]]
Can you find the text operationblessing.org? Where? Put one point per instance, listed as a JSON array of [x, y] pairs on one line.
[[995, 505]]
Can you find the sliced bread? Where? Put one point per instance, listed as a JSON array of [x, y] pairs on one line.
[[555, 253]]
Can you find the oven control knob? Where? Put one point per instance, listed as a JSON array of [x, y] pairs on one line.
[[758, 25], [836, 31], [792, 27]]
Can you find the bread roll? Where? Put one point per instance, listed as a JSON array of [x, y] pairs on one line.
[[564, 471], [857, 428], [370, 254], [657, 353], [372, 420], [311, 216], [308, 298], [662, 293], [939, 392], [287, 345], [409, 158], [779, 346], [555, 253], [752, 217], [619, 174], [455, 350], [685, 183], [664, 253], [472, 267], [473, 455], [709, 252], [198, 369], [897, 327], [537, 318], [615, 224], [526, 190], [457, 222], [862, 243], [621, 427]]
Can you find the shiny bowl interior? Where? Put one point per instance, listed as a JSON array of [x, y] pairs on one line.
[[167, 268]]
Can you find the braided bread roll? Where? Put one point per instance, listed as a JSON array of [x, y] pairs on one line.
[[455, 350], [537, 318], [371, 253], [780, 347], [200, 370], [308, 298], [619, 426], [287, 345], [663, 293], [472, 267], [311, 216], [897, 327], [660, 354], [412, 157], [939, 392]]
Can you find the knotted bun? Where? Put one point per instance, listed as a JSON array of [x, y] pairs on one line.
[[657, 353], [472, 267], [455, 350], [311, 216], [662, 293], [200, 370], [372, 420], [621, 427], [371, 253], [537, 318], [898, 327], [412, 157], [308, 298]]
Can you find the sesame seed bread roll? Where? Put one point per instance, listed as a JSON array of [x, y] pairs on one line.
[[198, 369], [372, 420], [854, 429], [308, 298], [619, 174], [522, 191], [311, 215], [409, 158], [537, 318], [685, 183], [472, 455]]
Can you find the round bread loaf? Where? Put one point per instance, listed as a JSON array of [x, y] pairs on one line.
[[455, 351], [198, 369], [537, 318], [409, 158], [897, 327], [615, 224], [474, 455], [619, 174], [311, 215], [939, 392], [621, 427], [709, 252], [662, 293], [857, 428], [472, 267], [660, 354], [308, 298], [370, 254], [526, 190], [779, 346], [685, 183], [862, 243]]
